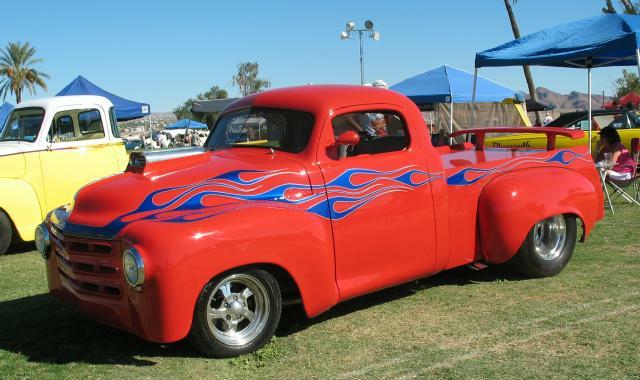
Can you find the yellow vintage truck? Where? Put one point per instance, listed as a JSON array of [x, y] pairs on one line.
[[626, 122], [49, 149]]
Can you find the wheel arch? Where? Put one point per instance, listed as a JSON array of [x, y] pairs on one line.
[[300, 258], [511, 204], [21, 205], [289, 289]]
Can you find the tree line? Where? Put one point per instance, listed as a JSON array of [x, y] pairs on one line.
[[246, 80]]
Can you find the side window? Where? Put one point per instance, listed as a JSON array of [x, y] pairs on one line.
[[601, 121], [634, 119], [63, 129], [114, 122], [90, 125], [379, 131], [619, 122], [76, 125], [582, 124]]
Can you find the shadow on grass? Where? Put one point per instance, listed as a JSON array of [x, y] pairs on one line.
[[21, 247], [44, 330], [294, 320]]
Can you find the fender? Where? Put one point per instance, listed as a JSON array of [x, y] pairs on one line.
[[20, 202], [203, 251], [512, 203]]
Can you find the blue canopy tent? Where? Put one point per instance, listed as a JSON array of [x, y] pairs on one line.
[[5, 110], [186, 124], [125, 109], [446, 84], [600, 41]]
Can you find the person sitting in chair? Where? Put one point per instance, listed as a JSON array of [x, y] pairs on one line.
[[610, 143]]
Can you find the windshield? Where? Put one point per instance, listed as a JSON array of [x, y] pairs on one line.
[[23, 125], [284, 130]]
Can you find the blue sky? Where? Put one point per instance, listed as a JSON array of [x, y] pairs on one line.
[[163, 52]]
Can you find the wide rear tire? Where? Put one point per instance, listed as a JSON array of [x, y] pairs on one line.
[[236, 313], [6, 233], [547, 248]]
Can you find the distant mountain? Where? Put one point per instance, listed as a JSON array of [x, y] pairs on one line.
[[571, 102]]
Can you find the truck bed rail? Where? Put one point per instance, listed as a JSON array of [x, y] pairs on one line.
[[550, 132]]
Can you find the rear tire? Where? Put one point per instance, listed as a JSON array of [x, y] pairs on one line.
[[6, 233], [236, 313], [547, 248]]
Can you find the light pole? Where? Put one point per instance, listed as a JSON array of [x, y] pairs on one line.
[[346, 35]]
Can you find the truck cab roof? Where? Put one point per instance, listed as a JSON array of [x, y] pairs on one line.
[[319, 98], [57, 101]]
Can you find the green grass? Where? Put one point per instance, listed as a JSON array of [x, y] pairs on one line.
[[584, 323]]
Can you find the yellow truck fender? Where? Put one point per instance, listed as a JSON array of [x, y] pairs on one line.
[[21, 204]]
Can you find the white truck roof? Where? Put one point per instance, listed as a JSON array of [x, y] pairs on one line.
[[71, 100]]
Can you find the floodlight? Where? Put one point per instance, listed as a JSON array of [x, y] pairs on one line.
[[344, 35], [375, 36], [351, 26], [368, 24]]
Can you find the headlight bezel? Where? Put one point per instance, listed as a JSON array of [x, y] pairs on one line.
[[138, 262], [59, 216], [43, 240]]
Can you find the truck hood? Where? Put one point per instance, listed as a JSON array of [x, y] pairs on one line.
[[12, 162], [188, 189], [15, 147]]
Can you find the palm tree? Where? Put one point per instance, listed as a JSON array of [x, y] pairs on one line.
[[17, 72], [629, 7], [527, 71]]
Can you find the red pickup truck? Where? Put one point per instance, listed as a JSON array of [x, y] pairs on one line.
[[314, 194]]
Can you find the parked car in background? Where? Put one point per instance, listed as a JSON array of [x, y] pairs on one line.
[[49, 149], [132, 144], [316, 208], [626, 122]]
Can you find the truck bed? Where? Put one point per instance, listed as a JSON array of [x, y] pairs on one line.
[[467, 170]]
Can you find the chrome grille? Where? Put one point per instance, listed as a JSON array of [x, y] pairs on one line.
[[88, 266]]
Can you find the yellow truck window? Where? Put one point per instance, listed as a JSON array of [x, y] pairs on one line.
[[90, 124], [76, 125], [63, 129]]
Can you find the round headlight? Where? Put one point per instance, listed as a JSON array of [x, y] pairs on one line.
[[133, 267], [42, 240]]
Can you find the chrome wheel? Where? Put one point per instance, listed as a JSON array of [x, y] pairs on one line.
[[549, 237], [237, 310]]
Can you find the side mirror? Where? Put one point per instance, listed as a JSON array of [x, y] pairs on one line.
[[343, 141], [348, 138]]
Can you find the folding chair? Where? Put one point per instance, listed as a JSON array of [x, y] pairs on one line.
[[632, 184]]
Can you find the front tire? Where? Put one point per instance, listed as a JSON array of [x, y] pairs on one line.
[[6, 233], [236, 313], [547, 248]]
